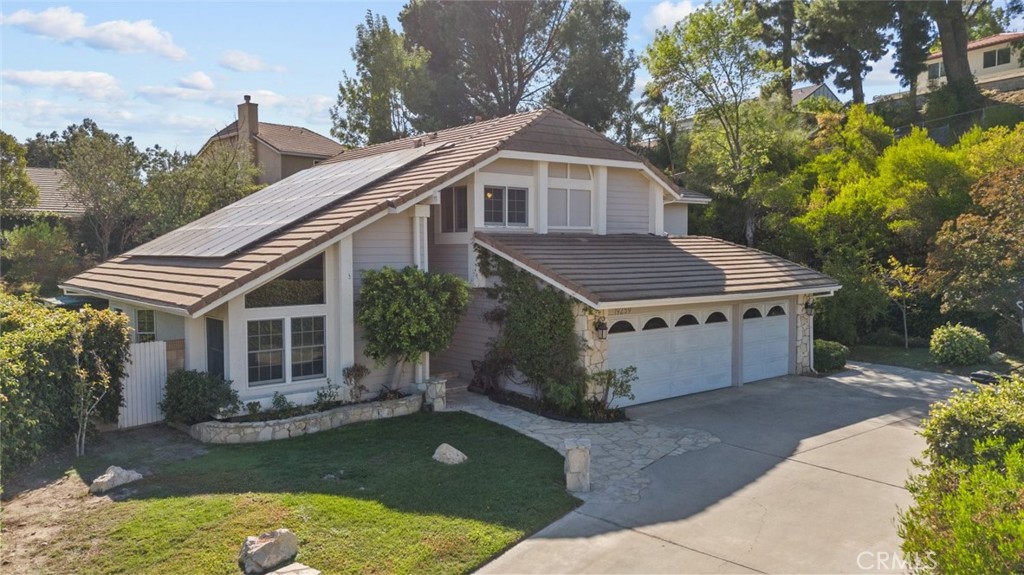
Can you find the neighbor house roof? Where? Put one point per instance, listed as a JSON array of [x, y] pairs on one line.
[[294, 140], [619, 270], [804, 92], [53, 195], [189, 285], [984, 43]]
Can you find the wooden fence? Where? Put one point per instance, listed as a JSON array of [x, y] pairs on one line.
[[144, 384]]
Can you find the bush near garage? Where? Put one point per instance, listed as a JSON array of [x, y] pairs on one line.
[[829, 356], [968, 512], [958, 345]]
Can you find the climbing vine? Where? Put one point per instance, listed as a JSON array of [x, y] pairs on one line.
[[537, 334]]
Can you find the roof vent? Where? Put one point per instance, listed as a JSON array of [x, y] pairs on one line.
[[417, 143]]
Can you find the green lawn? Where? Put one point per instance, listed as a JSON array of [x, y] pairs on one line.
[[919, 358], [391, 509]]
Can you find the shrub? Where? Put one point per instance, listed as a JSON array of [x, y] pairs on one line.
[[829, 356], [39, 254], [196, 396], [958, 345], [280, 403], [954, 426]]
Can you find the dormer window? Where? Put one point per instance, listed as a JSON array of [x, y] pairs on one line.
[[505, 206]]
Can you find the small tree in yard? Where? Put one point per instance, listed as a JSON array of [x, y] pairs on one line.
[[88, 390], [901, 283], [408, 313]]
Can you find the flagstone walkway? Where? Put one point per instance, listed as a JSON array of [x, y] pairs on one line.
[[618, 452]]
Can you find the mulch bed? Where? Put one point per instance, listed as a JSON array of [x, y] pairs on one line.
[[536, 406]]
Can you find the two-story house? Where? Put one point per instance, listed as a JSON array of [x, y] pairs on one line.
[[279, 150], [993, 60], [264, 291]]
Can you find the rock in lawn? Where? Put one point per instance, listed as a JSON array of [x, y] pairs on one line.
[[449, 455], [268, 551], [113, 477]]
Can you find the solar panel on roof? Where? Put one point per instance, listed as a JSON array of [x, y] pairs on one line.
[[256, 216]]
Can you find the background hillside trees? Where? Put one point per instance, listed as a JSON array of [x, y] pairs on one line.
[[18, 191]]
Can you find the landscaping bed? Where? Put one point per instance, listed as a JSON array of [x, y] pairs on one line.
[[534, 405], [361, 498]]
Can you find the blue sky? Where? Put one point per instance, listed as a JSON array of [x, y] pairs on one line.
[[171, 73]]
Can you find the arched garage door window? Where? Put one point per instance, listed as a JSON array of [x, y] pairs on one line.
[[716, 317], [621, 326], [752, 313], [655, 323], [776, 311], [687, 320]]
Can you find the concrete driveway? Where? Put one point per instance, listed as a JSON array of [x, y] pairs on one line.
[[807, 478]]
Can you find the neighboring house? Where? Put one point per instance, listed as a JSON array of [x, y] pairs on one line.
[[994, 62], [263, 291], [53, 195], [279, 150], [814, 91]]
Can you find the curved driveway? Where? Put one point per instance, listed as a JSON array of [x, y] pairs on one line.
[[806, 477]]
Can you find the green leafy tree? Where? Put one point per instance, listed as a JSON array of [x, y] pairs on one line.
[[371, 105], [408, 313], [843, 38], [18, 192], [39, 254], [911, 44], [709, 64], [779, 33], [901, 283], [597, 78], [104, 173]]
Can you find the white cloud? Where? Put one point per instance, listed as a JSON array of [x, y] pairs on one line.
[[122, 36], [197, 81], [666, 14], [93, 85], [161, 94], [47, 115], [241, 61]]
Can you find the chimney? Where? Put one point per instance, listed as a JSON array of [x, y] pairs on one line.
[[248, 119]]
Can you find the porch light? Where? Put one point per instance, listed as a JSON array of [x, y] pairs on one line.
[[809, 307], [601, 328]]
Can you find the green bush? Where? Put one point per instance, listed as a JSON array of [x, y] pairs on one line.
[[39, 372], [958, 345], [994, 411], [39, 254], [829, 356], [196, 396]]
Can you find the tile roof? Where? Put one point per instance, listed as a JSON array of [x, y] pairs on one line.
[[191, 284], [52, 197], [631, 268], [288, 139], [984, 43]]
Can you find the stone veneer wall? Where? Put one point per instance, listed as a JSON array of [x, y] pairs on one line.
[[595, 356], [804, 336], [257, 431]]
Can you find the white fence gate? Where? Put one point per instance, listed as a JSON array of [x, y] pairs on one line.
[[144, 384]]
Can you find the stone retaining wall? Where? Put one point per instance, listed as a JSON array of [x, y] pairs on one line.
[[256, 431]]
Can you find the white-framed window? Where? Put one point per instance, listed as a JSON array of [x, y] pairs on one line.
[[505, 206], [936, 71], [454, 210], [994, 58], [145, 325], [284, 351], [569, 208]]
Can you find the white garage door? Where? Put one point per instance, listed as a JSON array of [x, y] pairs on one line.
[[766, 347], [675, 354]]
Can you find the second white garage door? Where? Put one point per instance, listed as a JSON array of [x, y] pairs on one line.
[[766, 347], [675, 354]]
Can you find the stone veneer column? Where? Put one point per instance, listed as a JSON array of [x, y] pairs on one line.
[[804, 336], [595, 354]]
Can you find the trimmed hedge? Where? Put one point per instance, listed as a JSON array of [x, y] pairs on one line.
[[38, 370], [829, 356], [991, 411], [196, 396], [958, 345]]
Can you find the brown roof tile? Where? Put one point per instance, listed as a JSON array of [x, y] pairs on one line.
[[629, 268], [288, 139], [190, 284], [984, 43], [52, 195]]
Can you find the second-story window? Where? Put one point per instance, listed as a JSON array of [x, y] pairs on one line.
[[568, 208], [505, 206], [994, 58], [936, 71], [454, 210]]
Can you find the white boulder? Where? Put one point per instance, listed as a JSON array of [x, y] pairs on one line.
[[268, 551], [113, 477], [449, 455]]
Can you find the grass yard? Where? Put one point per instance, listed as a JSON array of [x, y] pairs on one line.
[[389, 508], [920, 358]]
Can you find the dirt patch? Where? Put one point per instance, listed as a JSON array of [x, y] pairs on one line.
[[39, 500]]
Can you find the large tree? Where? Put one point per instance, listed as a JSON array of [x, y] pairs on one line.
[[843, 38], [708, 65], [911, 44], [104, 173], [779, 33], [597, 78], [16, 190], [370, 107]]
